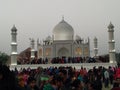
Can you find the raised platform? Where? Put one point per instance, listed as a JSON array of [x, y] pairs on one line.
[[76, 65]]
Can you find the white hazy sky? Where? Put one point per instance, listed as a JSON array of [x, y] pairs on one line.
[[37, 18]]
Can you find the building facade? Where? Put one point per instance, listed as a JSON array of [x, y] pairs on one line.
[[63, 43]]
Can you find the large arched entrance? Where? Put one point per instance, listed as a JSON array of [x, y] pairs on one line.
[[63, 52]]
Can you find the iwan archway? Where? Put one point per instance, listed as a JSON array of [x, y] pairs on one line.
[[63, 52]]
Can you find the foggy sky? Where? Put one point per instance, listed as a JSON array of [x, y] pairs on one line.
[[37, 18]]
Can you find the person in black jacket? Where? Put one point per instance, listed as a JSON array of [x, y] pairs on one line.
[[31, 84], [7, 78]]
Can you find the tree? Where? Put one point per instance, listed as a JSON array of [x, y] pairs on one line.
[[3, 58]]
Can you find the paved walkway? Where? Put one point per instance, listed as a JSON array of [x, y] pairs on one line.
[[109, 88]]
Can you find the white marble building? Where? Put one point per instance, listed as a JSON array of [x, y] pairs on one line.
[[63, 43]]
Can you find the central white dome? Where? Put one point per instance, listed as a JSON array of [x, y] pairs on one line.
[[63, 31]]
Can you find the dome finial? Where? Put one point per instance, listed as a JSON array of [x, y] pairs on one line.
[[14, 26], [110, 22], [63, 17]]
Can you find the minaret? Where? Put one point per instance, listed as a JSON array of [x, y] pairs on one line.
[[95, 47], [14, 46], [89, 45], [32, 42], [38, 48], [112, 58]]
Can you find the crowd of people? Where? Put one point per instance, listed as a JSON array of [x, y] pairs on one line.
[[61, 78], [58, 60]]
